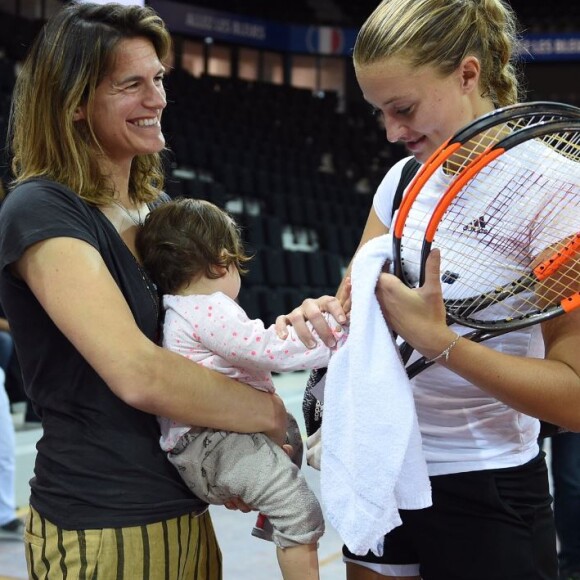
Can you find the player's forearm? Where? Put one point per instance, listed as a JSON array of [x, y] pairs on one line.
[[547, 389]]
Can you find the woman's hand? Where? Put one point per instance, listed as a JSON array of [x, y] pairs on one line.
[[312, 310], [278, 432], [236, 503], [344, 294], [416, 314]]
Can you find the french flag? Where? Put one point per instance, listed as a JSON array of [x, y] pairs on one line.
[[325, 40]]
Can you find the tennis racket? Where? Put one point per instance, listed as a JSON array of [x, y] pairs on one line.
[[455, 155], [452, 158], [508, 229]]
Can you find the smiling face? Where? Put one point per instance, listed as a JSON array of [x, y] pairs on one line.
[[420, 108], [128, 102]]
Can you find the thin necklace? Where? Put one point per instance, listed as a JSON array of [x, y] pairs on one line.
[[138, 221], [151, 287]]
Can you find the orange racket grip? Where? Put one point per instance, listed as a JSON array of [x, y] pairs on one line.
[[553, 263], [571, 303]]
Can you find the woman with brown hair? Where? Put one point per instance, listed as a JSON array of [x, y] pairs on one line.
[[85, 133]]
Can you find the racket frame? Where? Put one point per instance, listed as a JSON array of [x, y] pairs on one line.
[[451, 146], [542, 271]]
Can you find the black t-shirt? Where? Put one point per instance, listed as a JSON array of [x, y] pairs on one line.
[[99, 463]]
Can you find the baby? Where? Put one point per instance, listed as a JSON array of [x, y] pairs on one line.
[[193, 251]]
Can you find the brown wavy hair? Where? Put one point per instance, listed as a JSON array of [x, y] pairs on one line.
[[185, 239], [68, 60]]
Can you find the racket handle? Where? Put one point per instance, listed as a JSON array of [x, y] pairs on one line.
[[405, 350]]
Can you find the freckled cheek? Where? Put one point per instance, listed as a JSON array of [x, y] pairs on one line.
[[433, 121]]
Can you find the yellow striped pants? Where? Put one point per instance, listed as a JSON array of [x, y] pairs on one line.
[[183, 548]]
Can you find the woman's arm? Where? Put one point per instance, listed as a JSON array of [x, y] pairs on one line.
[[74, 286], [546, 388]]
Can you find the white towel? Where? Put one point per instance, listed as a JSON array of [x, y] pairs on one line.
[[372, 462]]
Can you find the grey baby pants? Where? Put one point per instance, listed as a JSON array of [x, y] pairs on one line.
[[220, 465]]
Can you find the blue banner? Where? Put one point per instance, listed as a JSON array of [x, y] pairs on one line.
[[203, 22], [325, 40], [554, 47]]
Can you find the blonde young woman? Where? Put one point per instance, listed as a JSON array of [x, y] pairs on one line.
[[429, 67], [85, 137]]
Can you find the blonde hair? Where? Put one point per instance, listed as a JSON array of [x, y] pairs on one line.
[[71, 55], [441, 33]]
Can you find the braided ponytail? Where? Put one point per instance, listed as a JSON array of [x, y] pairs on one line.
[[498, 29]]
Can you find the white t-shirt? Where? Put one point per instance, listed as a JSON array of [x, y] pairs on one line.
[[464, 428]]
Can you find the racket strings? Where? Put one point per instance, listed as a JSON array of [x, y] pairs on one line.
[[519, 299], [453, 163], [439, 172], [521, 205], [566, 281]]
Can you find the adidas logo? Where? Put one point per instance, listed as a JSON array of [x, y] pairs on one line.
[[478, 226], [449, 277]]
